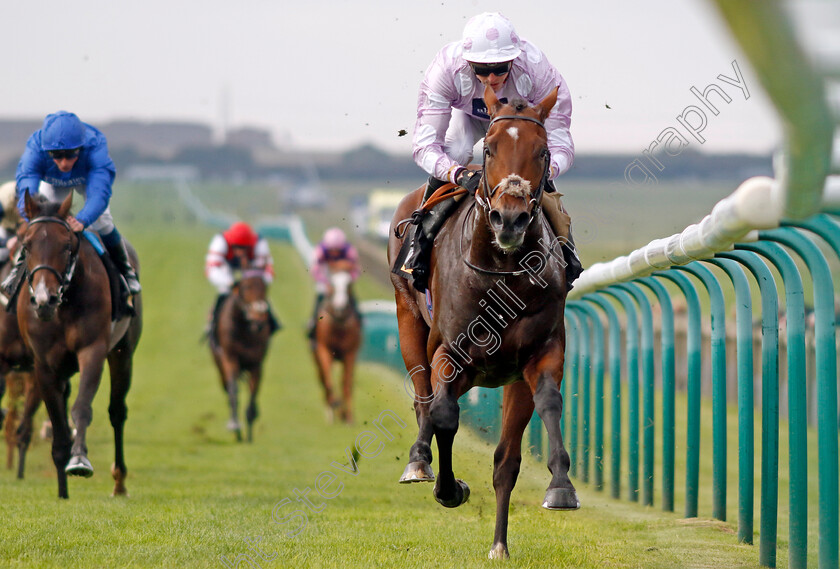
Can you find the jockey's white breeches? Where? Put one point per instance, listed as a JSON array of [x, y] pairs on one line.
[[103, 225]]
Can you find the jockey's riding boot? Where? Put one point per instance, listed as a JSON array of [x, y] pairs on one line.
[[11, 284], [310, 327], [214, 315], [119, 255], [561, 224], [274, 324], [419, 255]]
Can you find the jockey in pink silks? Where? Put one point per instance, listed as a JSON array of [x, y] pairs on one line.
[[333, 247], [452, 117]]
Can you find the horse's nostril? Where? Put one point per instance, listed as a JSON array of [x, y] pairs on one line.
[[496, 219], [521, 222], [53, 300], [32, 301]]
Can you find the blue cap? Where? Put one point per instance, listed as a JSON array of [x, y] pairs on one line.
[[62, 131]]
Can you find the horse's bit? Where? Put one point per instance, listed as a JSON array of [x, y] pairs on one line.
[[63, 278]]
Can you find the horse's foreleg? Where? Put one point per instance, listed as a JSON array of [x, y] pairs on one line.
[[324, 363], [231, 371], [413, 338], [24, 431], [444, 414], [517, 409], [561, 494], [347, 383], [251, 413], [120, 365], [91, 362], [14, 392], [54, 393]]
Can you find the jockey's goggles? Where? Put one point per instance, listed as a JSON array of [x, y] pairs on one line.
[[486, 69], [68, 153]]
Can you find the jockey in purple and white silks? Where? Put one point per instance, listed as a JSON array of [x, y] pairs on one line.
[[452, 116], [333, 247], [66, 155]]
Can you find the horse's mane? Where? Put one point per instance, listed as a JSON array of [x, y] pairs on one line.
[[519, 105]]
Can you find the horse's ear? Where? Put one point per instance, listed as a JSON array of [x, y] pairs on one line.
[[544, 107], [30, 206], [492, 102], [65, 206]]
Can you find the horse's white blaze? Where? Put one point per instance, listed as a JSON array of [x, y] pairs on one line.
[[513, 132], [41, 294], [341, 284]]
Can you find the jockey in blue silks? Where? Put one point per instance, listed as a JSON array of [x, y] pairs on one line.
[[66, 155]]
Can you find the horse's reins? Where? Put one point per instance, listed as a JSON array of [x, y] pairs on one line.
[[63, 278]]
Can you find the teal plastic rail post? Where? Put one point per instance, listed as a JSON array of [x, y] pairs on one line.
[[694, 347], [668, 388], [826, 354], [615, 390], [584, 368], [797, 397], [746, 410], [570, 403], [769, 402], [647, 380], [632, 346], [598, 357], [717, 307]]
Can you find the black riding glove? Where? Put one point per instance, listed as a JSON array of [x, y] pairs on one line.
[[469, 180]]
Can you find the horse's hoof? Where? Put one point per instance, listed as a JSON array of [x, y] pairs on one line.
[[79, 466], [499, 551], [561, 499], [462, 494], [419, 471]]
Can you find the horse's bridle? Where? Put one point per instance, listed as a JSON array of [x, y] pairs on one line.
[[487, 193], [65, 277]]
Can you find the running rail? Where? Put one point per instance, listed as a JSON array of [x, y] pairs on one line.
[[794, 48]]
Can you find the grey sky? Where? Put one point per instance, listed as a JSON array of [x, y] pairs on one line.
[[333, 74]]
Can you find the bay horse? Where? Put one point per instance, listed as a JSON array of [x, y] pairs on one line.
[[16, 374], [498, 291], [240, 344], [338, 336], [64, 314]]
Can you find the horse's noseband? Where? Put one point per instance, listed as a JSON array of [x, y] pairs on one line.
[[488, 193], [65, 277]]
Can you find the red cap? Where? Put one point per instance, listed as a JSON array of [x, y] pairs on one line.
[[240, 234]]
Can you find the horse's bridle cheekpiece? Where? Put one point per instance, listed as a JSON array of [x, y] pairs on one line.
[[63, 278]]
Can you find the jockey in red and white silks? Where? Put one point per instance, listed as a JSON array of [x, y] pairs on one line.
[[451, 114], [237, 249]]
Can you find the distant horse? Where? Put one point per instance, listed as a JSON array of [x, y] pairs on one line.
[[64, 314], [16, 375], [241, 342], [338, 335], [498, 290]]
